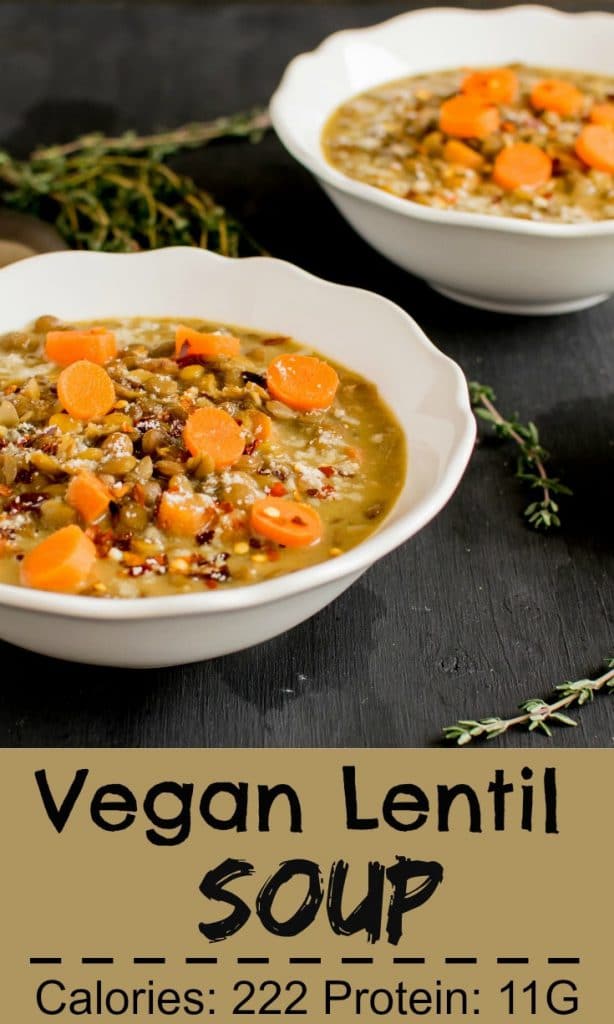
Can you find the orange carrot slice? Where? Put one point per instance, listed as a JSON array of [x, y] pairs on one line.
[[96, 344], [595, 146], [291, 523], [522, 165], [468, 117], [262, 426], [603, 113], [85, 390], [189, 342], [302, 382], [456, 152], [62, 562], [88, 496], [557, 95], [184, 514], [493, 85], [213, 432]]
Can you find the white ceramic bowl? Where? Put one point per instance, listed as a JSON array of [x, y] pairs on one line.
[[499, 263], [425, 388]]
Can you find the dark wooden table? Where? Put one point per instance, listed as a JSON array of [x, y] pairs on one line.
[[472, 615]]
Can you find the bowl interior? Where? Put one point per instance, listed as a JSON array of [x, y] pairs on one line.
[[357, 328], [352, 61]]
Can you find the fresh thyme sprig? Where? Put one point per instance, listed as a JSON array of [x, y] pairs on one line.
[[530, 468], [249, 124], [119, 195], [536, 713]]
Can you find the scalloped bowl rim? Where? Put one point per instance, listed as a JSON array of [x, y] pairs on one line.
[[355, 560], [316, 162]]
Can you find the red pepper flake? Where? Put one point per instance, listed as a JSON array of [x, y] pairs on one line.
[[205, 536], [254, 378], [24, 475], [226, 506], [278, 490], [278, 340], [29, 501], [154, 563], [324, 492], [298, 521], [272, 555], [250, 448], [327, 470], [211, 584], [102, 539]]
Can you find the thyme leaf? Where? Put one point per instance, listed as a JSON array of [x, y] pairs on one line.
[[532, 456]]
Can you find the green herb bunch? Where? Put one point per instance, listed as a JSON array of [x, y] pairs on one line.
[[120, 195]]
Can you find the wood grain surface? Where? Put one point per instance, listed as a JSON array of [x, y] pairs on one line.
[[473, 614]]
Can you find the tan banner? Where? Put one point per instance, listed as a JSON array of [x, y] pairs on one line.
[[306, 884]]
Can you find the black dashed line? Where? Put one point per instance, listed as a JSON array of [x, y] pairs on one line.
[[305, 960], [409, 960], [563, 959], [461, 960], [201, 960], [252, 960], [45, 960], [512, 959], [97, 960], [149, 960], [356, 959]]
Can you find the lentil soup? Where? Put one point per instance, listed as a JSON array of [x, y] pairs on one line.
[[514, 141], [141, 457]]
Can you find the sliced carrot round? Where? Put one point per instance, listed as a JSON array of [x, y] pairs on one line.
[[88, 496], [189, 342], [522, 165], [184, 514], [603, 113], [558, 95], [302, 382], [213, 432], [96, 344], [85, 390], [291, 523], [62, 562], [468, 117], [595, 146], [456, 152], [493, 85]]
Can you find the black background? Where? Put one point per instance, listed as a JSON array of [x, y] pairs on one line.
[[473, 614]]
